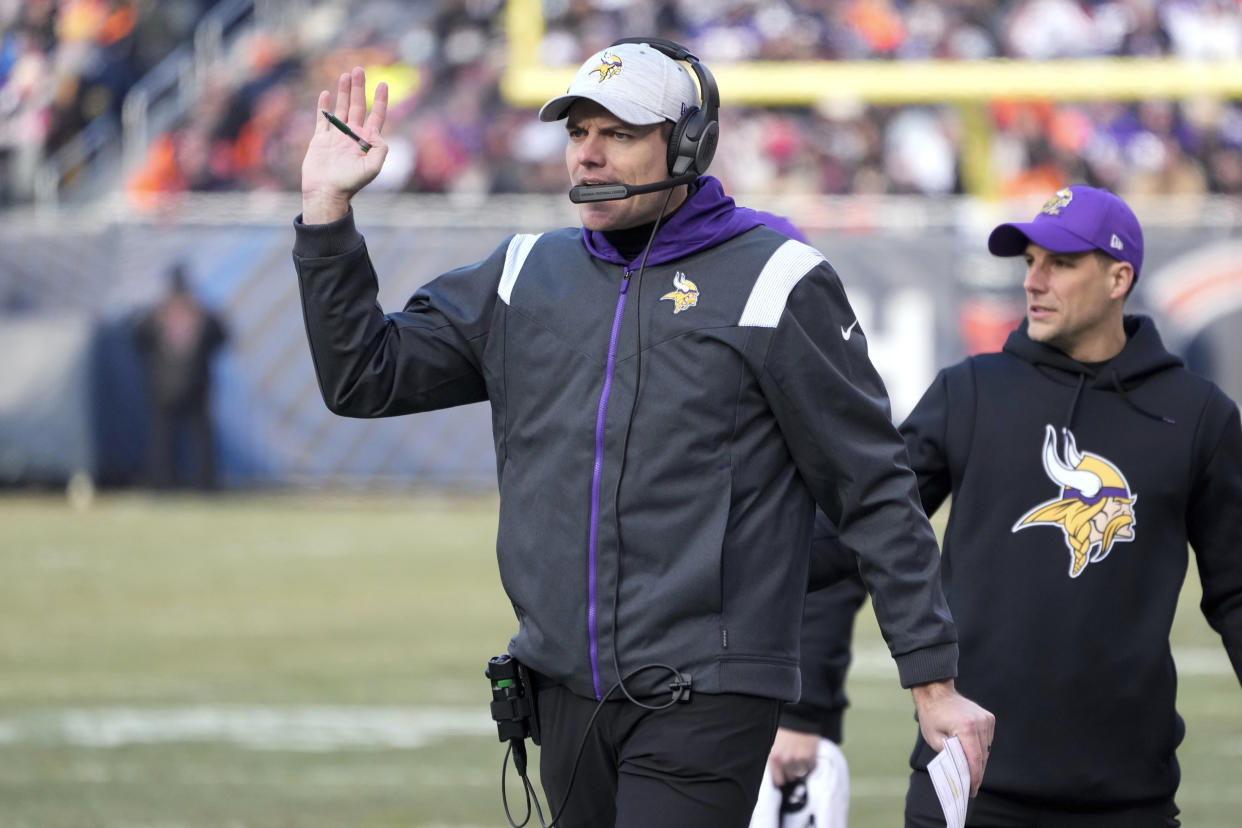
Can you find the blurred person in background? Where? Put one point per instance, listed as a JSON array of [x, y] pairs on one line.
[[739, 377], [807, 779], [177, 338], [1081, 461]]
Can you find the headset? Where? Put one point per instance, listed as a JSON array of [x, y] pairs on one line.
[[692, 144]]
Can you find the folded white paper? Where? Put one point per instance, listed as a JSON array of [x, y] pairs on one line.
[[950, 775]]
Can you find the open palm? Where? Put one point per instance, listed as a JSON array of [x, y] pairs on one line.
[[335, 167]]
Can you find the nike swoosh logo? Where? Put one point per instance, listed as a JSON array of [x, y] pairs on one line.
[[846, 333]]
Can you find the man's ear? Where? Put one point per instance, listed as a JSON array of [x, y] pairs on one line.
[[1122, 276]]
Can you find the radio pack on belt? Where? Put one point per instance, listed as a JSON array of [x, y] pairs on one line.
[[513, 699]]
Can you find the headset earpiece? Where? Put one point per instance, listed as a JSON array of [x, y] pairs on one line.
[[679, 160], [692, 143]]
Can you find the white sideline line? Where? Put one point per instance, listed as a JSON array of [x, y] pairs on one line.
[[326, 728], [258, 728]]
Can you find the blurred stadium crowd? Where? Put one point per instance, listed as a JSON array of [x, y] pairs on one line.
[[64, 62]]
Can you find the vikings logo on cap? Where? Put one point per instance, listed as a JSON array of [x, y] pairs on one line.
[[1095, 509], [685, 295], [1059, 201], [610, 66]]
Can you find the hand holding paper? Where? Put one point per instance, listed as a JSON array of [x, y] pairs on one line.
[[950, 775], [944, 713]]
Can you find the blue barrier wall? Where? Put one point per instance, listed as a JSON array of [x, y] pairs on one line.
[[72, 388]]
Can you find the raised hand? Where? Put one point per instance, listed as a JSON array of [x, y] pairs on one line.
[[335, 167]]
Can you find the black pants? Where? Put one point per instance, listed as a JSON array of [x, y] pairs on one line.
[[181, 450], [989, 810], [696, 764]]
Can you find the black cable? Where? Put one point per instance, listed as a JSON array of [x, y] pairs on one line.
[[616, 506], [504, 794], [586, 731], [530, 792], [679, 679]]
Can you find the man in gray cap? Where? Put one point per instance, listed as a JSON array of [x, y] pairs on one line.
[[660, 452]]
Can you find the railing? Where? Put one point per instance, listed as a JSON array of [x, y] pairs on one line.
[[83, 164], [152, 105]]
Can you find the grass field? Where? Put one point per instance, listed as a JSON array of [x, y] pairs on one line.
[[315, 660]]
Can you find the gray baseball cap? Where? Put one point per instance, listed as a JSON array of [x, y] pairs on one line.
[[632, 81]]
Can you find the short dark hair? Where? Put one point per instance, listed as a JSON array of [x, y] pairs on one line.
[[1106, 261]]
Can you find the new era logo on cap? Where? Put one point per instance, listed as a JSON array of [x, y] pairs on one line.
[[1075, 220], [632, 81]]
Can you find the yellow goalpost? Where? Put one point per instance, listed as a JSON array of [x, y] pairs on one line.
[[969, 84]]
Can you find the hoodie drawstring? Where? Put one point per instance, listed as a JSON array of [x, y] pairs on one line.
[[1117, 386], [1069, 415]]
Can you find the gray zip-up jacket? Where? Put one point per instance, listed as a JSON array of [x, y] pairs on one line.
[[660, 442]]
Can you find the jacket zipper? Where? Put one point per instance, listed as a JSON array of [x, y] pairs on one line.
[[596, 475]]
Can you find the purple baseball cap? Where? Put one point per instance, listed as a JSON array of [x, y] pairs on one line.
[[1075, 220]]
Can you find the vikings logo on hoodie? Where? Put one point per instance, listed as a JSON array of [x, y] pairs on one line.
[[1095, 509]]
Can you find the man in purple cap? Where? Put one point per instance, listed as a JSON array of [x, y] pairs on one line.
[[1081, 316], [1081, 461], [674, 388]]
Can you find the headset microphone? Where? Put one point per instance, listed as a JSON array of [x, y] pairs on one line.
[[612, 192]]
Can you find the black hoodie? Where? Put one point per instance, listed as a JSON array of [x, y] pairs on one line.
[[1064, 614]]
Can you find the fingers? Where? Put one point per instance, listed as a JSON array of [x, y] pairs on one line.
[[351, 103], [790, 767], [343, 88], [987, 734], [785, 772], [977, 745], [379, 109], [778, 773], [793, 755], [977, 760], [325, 100], [357, 108]]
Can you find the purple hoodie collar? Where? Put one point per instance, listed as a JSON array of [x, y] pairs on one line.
[[708, 218]]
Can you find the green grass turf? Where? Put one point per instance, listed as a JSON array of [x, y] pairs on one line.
[[344, 610]]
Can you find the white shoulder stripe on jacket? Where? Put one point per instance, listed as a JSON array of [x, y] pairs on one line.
[[784, 269], [519, 248]]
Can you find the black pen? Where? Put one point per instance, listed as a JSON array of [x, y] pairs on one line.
[[343, 127]]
